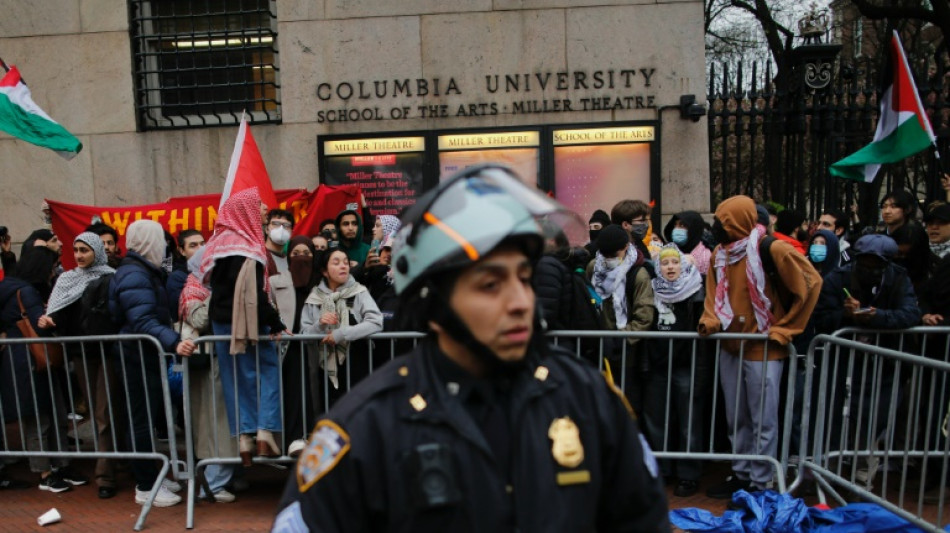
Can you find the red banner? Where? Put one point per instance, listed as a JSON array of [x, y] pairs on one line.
[[190, 212]]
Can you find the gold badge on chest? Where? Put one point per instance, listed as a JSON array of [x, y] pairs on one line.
[[566, 444]]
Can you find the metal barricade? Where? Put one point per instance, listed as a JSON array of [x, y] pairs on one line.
[[875, 422], [304, 392], [696, 384], [106, 372]]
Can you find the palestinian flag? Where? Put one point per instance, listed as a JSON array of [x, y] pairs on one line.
[[23, 119], [903, 128]]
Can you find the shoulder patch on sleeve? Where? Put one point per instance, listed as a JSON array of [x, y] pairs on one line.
[[290, 520], [328, 444]]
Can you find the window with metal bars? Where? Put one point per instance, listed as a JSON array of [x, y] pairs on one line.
[[203, 62]]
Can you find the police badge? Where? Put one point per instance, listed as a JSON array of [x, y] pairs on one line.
[[566, 446]]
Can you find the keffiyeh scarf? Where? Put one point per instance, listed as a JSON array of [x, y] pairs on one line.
[[70, 285], [940, 250], [731, 254], [613, 283], [237, 231]]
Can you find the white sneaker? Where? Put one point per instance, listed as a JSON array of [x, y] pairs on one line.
[[223, 496], [296, 447], [164, 498], [171, 485]]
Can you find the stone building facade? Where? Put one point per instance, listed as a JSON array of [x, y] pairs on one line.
[[569, 73]]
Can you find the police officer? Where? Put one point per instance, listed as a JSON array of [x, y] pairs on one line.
[[482, 427]]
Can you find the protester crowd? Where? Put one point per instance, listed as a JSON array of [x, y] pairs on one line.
[[751, 269]]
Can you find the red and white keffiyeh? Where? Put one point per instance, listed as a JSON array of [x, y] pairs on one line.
[[237, 231], [730, 254]]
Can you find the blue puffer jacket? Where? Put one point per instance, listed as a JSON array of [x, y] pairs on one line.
[[16, 364], [138, 302]]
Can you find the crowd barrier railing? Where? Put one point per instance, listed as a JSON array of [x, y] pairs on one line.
[[875, 420], [682, 381], [108, 373], [303, 392], [686, 371]]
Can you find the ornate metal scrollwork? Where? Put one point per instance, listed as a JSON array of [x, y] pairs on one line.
[[818, 74]]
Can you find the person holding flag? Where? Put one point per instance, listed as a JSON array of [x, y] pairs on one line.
[[903, 128]]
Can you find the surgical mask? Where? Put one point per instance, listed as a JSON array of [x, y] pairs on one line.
[[680, 236], [279, 236], [639, 229], [612, 263], [818, 252]]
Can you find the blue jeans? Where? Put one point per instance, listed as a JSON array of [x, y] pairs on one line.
[[217, 477], [247, 372]]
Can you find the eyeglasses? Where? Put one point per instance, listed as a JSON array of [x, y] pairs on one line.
[[278, 223], [639, 221]]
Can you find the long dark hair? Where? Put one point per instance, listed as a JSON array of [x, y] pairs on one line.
[[36, 268]]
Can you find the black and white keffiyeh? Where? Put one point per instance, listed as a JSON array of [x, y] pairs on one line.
[[70, 285]]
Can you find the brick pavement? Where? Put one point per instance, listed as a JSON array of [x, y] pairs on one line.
[[82, 510]]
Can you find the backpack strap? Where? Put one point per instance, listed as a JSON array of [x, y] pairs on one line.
[[771, 270]]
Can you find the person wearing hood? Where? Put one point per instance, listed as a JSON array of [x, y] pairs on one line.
[[343, 310], [742, 298], [137, 295], [625, 288], [824, 252], [236, 263], [34, 398], [64, 316], [678, 297], [874, 293], [686, 231], [377, 273], [350, 230], [598, 221]]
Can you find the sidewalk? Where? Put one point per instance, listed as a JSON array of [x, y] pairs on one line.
[[82, 510]]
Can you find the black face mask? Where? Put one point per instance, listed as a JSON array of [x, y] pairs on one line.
[[639, 229], [593, 234], [868, 277], [719, 233]]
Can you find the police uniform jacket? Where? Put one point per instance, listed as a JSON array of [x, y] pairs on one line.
[[402, 453]]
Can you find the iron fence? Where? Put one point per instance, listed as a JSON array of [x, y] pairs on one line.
[[772, 141]]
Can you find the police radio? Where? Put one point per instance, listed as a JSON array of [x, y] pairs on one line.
[[432, 476]]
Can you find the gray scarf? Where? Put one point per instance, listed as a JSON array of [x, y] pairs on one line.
[[335, 302]]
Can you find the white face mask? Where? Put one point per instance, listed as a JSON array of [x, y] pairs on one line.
[[612, 263], [279, 236]]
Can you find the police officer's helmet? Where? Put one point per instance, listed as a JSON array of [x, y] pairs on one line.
[[468, 216]]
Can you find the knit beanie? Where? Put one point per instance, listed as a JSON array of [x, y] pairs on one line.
[[611, 240]]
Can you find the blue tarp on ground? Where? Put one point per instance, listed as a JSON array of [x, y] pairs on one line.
[[771, 512]]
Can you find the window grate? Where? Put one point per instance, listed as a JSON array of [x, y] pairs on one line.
[[203, 62]]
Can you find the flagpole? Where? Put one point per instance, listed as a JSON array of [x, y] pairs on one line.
[[4, 66]]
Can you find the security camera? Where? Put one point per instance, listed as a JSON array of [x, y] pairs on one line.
[[690, 109]]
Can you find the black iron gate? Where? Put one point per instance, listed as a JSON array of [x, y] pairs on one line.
[[774, 140]]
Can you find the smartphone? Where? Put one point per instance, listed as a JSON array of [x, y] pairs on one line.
[[863, 310]]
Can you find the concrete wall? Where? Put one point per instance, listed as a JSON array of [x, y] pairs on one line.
[[75, 55]]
